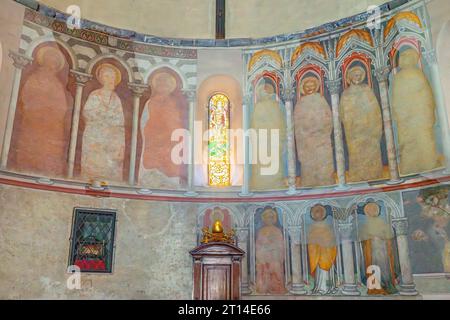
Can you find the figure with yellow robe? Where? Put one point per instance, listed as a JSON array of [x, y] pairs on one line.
[[376, 237], [413, 110], [361, 116], [313, 129], [270, 252], [267, 119], [322, 252]]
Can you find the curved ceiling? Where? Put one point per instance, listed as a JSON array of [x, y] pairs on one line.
[[196, 18]]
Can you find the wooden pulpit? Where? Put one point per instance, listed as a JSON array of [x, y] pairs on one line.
[[217, 271]]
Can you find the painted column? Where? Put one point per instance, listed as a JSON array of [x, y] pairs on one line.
[[245, 126], [430, 57], [20, 61], [138, 90], [288, 98], [334, 89], [242, 237], [81, 80], [298, 285], [407, 286], [350, 287], [382, 77], [190, 96]]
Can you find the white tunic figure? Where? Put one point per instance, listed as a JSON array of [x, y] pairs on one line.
[[313, 129], [361, 116], [103, 146], [413, 110]]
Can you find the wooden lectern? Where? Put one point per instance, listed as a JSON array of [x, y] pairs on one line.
[[217, 271]]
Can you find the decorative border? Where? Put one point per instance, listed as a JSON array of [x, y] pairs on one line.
[[111, 194], [104, 39]]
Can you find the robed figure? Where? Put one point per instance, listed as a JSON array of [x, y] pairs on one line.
[[361, 116], [377, 243], [313, 129], [322, 252], [413, 110], [267, 120], [164, 114], [45, 107], [103, 146], [270, 252]]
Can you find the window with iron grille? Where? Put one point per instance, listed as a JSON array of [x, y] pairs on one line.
[[92, 240]]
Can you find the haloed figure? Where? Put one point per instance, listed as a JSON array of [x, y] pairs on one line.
[[163, 114], [44, 108], [376, 238], [267, 118], [313, 129], [361, 116], [322, 252], [270, 256], [103, 146]]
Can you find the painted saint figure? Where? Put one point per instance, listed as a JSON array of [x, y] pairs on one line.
[[313, 129], [376, 237], [361, 116], [270, 255], [268, 119], [103, 147], [322, 252], [163, 114], [45, 107], [413, 109]]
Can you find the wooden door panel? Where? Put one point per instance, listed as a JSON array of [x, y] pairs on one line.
[[216, 282]]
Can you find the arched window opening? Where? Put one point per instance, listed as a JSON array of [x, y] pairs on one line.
[[218, 141]]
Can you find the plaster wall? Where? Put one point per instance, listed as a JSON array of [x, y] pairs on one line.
[[152, 246]]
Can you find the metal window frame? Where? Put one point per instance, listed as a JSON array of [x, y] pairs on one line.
[[113, 213]]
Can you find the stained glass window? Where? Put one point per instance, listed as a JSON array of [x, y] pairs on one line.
[[93, 240], [218, 142]]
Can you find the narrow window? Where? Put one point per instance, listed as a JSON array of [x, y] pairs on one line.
[[218, 142], [92, 240]]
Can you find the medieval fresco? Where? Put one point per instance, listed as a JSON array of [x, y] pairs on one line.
[[361, 118], [313, 134], [332, 191], [270, 252], [268, 118], [103, 117], [165, 111], [322, 250], [428, 212], [377, 247], [414, 110], [44, 106]]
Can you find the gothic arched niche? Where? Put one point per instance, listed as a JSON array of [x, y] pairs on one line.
[[106, 114], [361, 116], [268, 135], [413, 109], [165, 115], [229, 87], [42, 123], [270, 251], [313, 130]]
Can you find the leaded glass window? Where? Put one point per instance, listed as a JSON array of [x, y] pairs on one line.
[[92, 240], [218, 142]]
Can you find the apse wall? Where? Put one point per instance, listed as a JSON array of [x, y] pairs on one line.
[[60, 153], [196, 18]]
